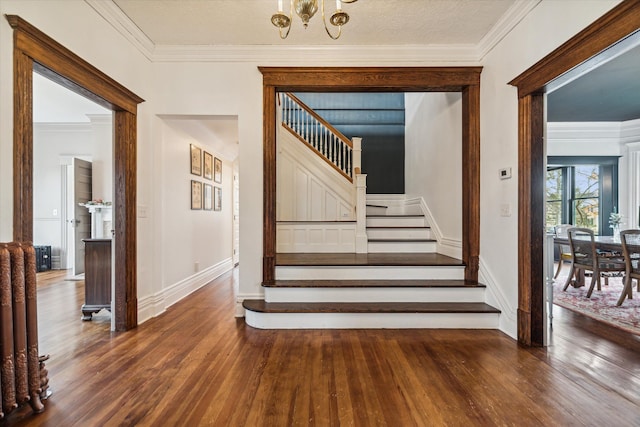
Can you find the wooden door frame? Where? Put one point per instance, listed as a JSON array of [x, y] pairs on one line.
[[35, 51], [378, 79], [615, 25]]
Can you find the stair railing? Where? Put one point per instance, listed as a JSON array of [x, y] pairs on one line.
[[319, 135]]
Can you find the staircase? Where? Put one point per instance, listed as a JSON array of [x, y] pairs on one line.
[[401, 282]]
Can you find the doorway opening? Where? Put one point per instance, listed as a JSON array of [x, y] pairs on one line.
[[532, 85], [35, 51]]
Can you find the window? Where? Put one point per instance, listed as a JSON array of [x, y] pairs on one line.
[[582, 191]]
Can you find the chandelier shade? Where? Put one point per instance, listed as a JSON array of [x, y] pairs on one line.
[[306, 9]]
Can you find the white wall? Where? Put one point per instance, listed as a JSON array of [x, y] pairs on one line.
[[433, 161], [192, 240], [545, 28]]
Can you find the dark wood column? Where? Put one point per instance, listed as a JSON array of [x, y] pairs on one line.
[[471, 180], [22, 147], [269, 179], [531, 224], [126, 299]]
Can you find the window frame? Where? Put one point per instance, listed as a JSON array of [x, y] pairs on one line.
[[607, 186]]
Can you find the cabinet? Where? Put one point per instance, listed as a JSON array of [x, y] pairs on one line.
[[97, 276]]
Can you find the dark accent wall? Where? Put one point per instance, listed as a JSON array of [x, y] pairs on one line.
[[378, 118]]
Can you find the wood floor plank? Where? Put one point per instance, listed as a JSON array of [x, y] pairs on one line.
[[197, 365], [377, 259]]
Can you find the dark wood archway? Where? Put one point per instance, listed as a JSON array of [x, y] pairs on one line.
[[35, 51], [614, 26], [379, 79]]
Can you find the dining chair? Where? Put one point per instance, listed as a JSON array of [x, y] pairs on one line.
[[585, 257], [564, 252], [630, 240]]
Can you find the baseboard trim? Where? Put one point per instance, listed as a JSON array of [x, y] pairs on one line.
[[156, 304]]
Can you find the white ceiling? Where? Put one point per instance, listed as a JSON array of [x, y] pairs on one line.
[[373, 22]]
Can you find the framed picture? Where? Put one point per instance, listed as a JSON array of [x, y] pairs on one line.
[[208, 166], [217, 198], [196, 160], [208, 197], [196, 195], [217, 170]]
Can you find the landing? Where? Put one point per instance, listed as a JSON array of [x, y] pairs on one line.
[[379, 259]]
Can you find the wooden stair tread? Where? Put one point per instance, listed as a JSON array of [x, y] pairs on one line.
[[426, 283], [430, 259], [376, 206], [368, 307]]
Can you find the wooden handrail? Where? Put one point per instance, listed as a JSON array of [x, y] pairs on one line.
[[315, 115], [315, 150]]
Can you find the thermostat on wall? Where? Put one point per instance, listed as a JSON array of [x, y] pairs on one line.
[[505, 173]]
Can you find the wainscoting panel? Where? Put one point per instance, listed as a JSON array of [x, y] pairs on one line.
[[308, 189], [315, 237]]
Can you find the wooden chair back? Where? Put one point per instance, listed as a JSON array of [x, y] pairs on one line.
[[583, 247], [630, 240]]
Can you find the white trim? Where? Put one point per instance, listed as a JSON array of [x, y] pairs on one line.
[[375, 294], [458, 54], [359, 272], [505, 24], [496, 297], [240, 311], [124, 25], [156, 304], [372, 320]]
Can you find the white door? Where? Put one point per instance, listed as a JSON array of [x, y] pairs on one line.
[[236, 219], [81, 221]]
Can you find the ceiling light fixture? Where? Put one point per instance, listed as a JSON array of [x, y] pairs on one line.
[[305, 9]]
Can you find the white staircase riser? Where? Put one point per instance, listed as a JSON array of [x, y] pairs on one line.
[[372, 320], [403, 247], [399, 233], [376, 210], [390, 294], [396, 221], [369, 272]]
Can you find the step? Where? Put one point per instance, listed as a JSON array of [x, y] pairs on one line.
[[401, 245], [369, 272], [350, 266], [396, 221], [374, 291], [407, 233], [376, 209], [405, 315]]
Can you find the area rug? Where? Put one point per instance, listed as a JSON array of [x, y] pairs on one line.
[[602, 304]]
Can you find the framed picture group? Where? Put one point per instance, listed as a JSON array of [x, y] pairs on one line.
[[205, 196]]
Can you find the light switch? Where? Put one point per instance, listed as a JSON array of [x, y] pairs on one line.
[[505, 209]]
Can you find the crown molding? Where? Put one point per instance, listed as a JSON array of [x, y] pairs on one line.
[[505, 24], [318, 55], [125, 26], [315, 55]]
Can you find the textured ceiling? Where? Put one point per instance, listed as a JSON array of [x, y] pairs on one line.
[[373, 22]]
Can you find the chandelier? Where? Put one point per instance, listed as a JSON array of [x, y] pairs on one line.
[[305, 9]]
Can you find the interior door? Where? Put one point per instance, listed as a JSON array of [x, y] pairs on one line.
[[81, 221], [236, 219]]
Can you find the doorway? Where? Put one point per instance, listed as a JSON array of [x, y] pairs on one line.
[[35, 51], [617, 24], [465, 80]]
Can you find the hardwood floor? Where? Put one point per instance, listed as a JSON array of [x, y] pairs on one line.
[[198, 365]]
